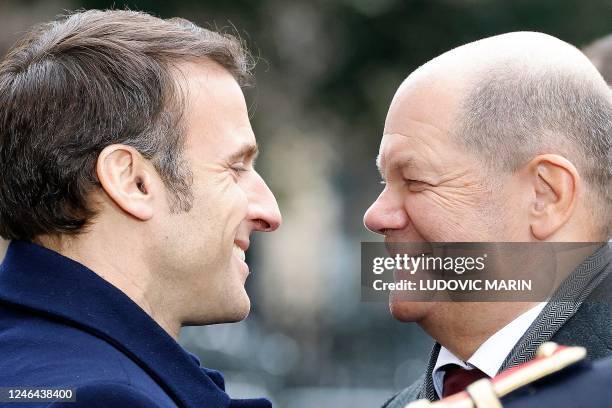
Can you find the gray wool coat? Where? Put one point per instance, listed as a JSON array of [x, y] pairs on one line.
[[579, 314]]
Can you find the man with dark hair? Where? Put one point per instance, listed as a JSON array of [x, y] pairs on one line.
[[506, 139], [128, 191]]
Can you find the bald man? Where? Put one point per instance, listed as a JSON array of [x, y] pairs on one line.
[[506, 139]]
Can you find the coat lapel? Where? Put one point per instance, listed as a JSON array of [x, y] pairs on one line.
[[46, 282], [429, 391], [563, 305]]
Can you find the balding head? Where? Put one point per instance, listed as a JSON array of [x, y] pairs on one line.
[[511, 97], [506, 139]]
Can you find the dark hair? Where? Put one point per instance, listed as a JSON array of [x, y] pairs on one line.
[[93, 78]]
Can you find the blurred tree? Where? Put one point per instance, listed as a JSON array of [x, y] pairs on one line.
[[326, 73]]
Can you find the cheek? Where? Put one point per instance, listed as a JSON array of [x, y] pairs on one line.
[[226, 196], [444, 215], [426, 216], [235, 202], [217, 210]]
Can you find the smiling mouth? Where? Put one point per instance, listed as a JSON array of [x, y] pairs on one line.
[[239, 252]]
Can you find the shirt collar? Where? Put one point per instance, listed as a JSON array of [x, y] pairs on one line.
[[37, 278], [491, 354]]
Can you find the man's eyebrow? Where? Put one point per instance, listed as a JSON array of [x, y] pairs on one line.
[[379, 165], [246, 151], [401, 162]]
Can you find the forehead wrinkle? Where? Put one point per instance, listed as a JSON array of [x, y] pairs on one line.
[[427, 137], [418, 127]]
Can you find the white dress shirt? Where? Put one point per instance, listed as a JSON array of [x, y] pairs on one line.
[[491, 354]]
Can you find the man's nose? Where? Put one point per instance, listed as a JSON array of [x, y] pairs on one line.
[[386, 213], [263, 208]]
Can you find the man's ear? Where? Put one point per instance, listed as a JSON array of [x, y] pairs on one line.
[[555, 184], [127, 180]]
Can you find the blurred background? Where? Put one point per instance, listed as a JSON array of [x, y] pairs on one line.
[[327, 71]]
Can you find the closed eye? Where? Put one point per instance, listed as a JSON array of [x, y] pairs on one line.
[[238, 168], [415, 185]]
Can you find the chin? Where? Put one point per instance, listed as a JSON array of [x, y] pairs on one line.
[[237, 308], [229, 308], [406, 311], [240, 312]]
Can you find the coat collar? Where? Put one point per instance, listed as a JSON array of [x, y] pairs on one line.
[[37, 278], [564, 303]]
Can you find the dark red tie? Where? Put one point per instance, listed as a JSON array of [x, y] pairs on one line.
[[457, 378]]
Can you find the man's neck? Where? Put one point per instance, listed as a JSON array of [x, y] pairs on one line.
[[462, 327], [122, 267]]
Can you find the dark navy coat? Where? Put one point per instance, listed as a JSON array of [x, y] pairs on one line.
[[586, 384], [61, 325]]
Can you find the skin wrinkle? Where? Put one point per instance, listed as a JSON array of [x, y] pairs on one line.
[[424, 132], [466, 198], [182, 268]]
